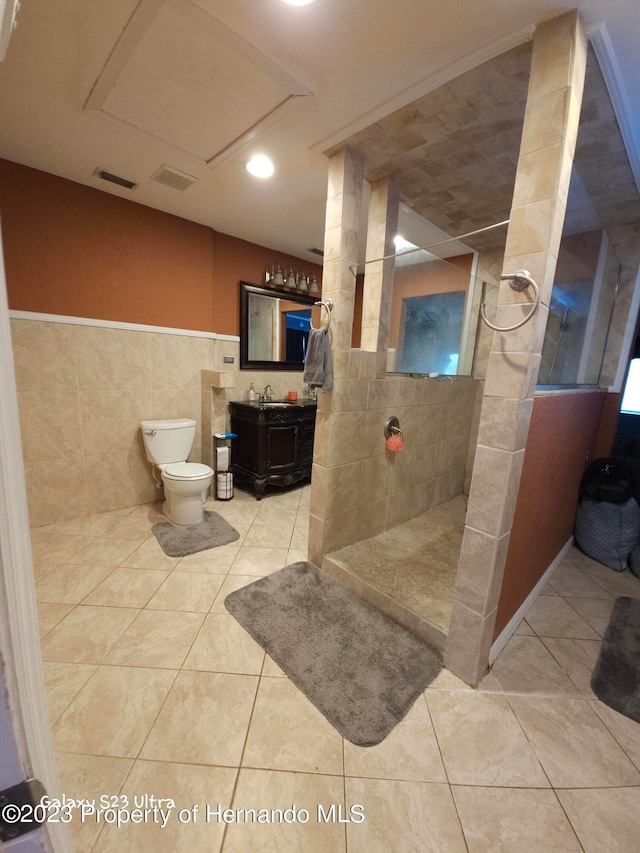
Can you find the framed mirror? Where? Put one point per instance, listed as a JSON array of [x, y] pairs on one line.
[[274, 328]]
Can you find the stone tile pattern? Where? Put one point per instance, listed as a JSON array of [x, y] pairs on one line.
[[82, 392], [533, 239], [531, 760], [359, 488], [409, 571]]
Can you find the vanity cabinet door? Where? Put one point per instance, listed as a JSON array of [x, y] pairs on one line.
[[282, 447]]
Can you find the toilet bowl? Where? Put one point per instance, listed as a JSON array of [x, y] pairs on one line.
[[167, 445], [185, 491]]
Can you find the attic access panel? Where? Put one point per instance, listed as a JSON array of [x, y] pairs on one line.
[[183, 77]]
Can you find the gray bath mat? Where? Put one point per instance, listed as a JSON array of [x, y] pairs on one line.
[[616, 678], [212, 531], [360, 669]]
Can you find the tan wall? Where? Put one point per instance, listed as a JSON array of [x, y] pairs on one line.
[[360, 488], [82, 392], [561, 442]]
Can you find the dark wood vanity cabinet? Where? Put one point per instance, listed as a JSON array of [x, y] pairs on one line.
[[274, 444]]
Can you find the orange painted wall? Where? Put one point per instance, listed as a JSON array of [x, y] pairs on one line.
[[73, 250], [562, 439], [236, 260]]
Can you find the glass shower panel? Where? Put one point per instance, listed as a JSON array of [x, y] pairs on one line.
[[581, 305]]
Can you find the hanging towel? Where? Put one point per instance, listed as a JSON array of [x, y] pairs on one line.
[[318, 369]]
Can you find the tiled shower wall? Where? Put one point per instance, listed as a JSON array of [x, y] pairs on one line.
[[360, 488], [82, 392]]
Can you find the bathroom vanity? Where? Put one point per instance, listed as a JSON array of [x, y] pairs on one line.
[[274, 444]]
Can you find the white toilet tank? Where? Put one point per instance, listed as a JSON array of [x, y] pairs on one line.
[[169, 440]]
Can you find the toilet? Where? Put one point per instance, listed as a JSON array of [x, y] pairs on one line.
[[167, 444]]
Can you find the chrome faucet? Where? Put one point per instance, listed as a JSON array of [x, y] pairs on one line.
[[268, 392]]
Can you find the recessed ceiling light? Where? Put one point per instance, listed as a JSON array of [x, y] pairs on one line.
[[260, 166], [298, 2]]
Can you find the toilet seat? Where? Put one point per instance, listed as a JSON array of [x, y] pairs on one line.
[[186, 471]]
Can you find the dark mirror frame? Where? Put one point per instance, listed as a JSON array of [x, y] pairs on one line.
[[247, 288]]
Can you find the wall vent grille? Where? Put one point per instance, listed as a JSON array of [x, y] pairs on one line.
[[115, 179]]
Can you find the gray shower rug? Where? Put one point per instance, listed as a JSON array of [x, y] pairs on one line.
[[361, 669], [212, 531], [616, 678]]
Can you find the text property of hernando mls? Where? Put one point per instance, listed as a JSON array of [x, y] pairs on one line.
[[120, 810]]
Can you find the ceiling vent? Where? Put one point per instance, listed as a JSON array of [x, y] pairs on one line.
[[173, 178], [115, 179], [316, 251]]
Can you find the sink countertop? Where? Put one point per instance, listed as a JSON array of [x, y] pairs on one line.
[[279, 404]]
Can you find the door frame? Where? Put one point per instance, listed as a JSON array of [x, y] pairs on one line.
[[19, 634]]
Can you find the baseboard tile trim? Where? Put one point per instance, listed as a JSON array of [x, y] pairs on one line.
[[510, 628]]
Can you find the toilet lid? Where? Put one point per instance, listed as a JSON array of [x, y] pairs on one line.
[[187, 471]]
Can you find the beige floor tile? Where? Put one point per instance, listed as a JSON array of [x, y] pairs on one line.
[[481, 741], [89, 777], [68, 584], [288, 733], [258, 561], [300, 538], [275, 514], [113, 712], [615, 583], [604, 819], [188, 785], [446, 680], [87, 634], [204, 719], [502, 820], [573, 745], [490, 684], [223, 645], [214, 561], [230, 584], [272, 535], [524, 629], [149, 555], [625, 730], [271, 669], [133, 526], [526, 666], [409, 752], [133, 586], [63, 681], [88, 525], [595, 612], [50, 614], [403, 817], [577, 658], [156, 638], [568, 580], [51, 550], [296, 555], [187, 591], [551, 616], [105, 552], [279, 790]]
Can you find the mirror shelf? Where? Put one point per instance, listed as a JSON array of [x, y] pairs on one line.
[[274, 327]]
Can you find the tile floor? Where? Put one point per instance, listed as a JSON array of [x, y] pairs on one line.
[[154, 689]]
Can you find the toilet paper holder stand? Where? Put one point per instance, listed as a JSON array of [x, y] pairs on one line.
[[224, 477]]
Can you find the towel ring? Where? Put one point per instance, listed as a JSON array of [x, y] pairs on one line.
[[519, 281], [328, 305]]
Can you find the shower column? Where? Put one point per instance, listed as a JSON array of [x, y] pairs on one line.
[[539, 200], [337, 452]]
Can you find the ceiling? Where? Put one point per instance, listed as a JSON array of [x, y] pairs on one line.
[[199, 85]]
